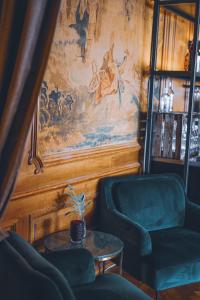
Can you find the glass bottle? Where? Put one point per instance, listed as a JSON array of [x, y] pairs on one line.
[[171, 96], [164, 101], [198, 61], [188, 56], [195, 100], [187, 61]]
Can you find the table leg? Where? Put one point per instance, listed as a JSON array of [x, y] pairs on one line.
[[120, 263], [100, 267], [103, 271]]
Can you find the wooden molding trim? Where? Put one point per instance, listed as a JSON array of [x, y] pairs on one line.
[[112, 171], [65, 157], [93, 163], [19, 225]]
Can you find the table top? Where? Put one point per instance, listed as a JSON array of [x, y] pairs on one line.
[[103, 246]]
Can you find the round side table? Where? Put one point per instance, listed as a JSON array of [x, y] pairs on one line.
[[103, 246]]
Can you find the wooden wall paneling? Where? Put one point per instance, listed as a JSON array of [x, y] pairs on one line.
[[21, 225], [37, 203], [72, 116], [78, 166]]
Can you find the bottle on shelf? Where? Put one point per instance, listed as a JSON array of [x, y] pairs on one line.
[[188, 57], [187, 62], [198, 61], [164, 101], [183, 138], [171, 96], [167, 98], [196, 100]]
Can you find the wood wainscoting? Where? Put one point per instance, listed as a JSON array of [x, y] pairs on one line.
[[37, 205]]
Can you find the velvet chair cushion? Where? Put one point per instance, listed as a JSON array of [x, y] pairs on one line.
[[26, 275], [38, 263], [19, 281], [155, 202], [110, 287], [175, 258], [77, 265]]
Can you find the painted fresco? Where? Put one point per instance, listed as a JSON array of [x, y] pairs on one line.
[[90, 94]]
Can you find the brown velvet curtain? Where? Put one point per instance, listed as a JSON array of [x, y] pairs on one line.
[[26, 32]]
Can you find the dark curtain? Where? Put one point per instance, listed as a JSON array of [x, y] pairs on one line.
[[26, 32]]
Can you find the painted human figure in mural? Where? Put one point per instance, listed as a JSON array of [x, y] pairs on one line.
[[108, 80], [43, 94], [81, 26], [65, 103], [104, 83], [107, 73], [44, 115]]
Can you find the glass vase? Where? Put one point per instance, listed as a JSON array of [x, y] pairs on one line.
[[77, 231]]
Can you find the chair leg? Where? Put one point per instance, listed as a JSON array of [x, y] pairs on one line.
[[157, 295]]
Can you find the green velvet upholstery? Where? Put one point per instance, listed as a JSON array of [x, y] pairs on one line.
[[27, 275], [77, 265], [37, 262], [110, 287], [19, 281], [155, 203], [160, 228], [175, 258]]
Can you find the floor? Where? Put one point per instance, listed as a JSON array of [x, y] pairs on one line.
[[189, 292]]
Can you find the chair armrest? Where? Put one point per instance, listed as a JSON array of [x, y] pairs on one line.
[[192, 216], [128, 231], [77, 265]]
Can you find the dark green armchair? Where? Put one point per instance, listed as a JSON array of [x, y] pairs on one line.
[[66, 275], [160, 228]]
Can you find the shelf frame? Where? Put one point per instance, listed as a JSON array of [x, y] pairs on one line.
[[153, 61], [192, 88], [191, 76], [174, 2], [180, 13], [186, 75]]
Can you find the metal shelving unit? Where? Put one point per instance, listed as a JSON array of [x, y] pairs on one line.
[[176, 74], [191, 76]]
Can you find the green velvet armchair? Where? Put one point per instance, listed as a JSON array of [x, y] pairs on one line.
[[160, 228], [66, 275]]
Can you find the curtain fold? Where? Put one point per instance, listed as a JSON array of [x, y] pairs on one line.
[[26, 31]]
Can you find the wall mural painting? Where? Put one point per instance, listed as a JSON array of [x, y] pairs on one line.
[[90, 93]]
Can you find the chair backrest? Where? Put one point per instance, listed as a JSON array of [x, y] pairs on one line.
[[40, 265], [154, 201], [19, 281]]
